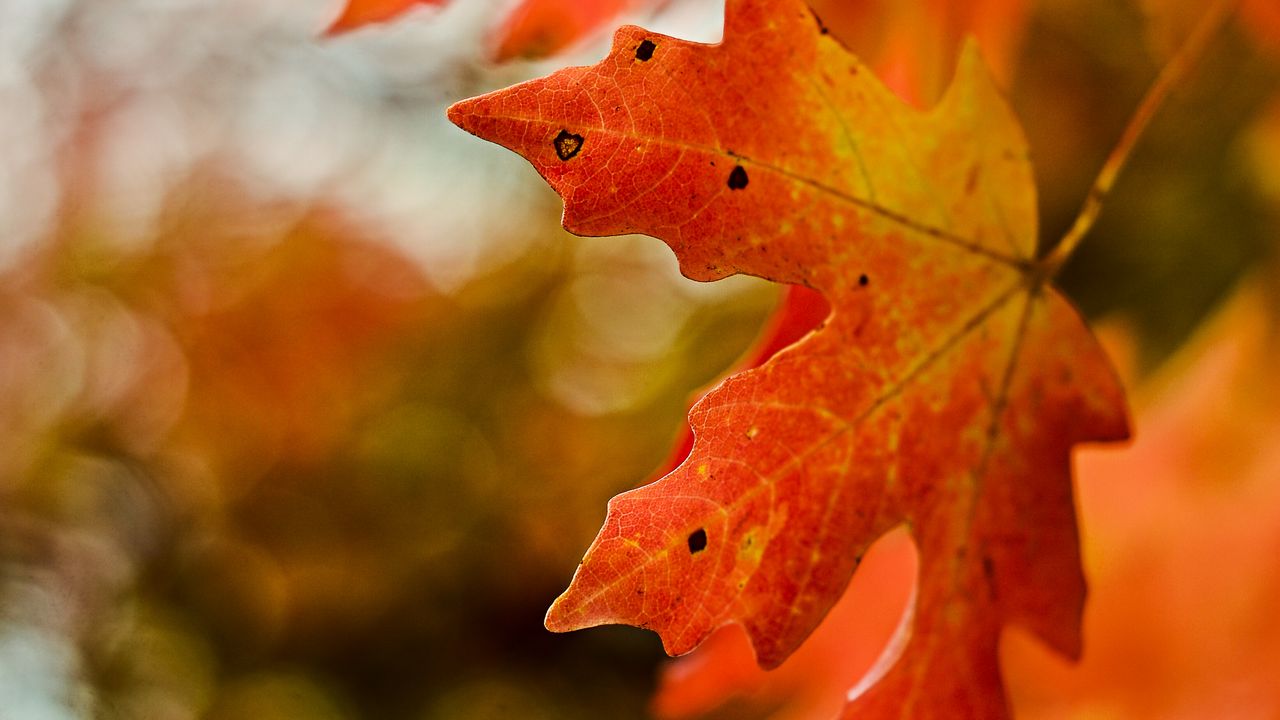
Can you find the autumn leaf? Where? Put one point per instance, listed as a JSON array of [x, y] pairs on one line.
[[538, 28], [995, 23], [945, 390], [364, 12], [721, 674]]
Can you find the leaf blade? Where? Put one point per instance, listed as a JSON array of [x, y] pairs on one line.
[[945, 390]]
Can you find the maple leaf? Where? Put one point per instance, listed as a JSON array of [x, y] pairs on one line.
[[945, 391], [358, 13]]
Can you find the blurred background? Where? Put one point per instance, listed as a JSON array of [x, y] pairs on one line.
[[308, 408]]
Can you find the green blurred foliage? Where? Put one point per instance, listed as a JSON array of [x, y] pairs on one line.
[[1187, 217]]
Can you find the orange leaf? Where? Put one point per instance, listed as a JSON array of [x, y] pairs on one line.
[[364, 12], [945, 391], [538, 28]]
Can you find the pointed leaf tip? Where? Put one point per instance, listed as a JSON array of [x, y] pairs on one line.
[[459, 111], [477, 116], [555, 621]]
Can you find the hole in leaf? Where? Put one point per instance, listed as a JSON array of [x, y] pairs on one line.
[[737, 178], [567, 144], [645, 51], [697, 541], [863, 280]]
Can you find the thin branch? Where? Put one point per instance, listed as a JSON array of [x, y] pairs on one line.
[[1174, 72]]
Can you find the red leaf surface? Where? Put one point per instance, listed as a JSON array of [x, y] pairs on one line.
[[945, 390], [364, 12]]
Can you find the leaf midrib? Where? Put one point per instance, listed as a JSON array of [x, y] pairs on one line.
[[893, 216]]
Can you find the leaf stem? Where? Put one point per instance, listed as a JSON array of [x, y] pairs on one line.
[[1173, 73]]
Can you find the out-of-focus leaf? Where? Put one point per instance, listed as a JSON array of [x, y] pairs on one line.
[[359, 13], [538, 28], [912, 44]]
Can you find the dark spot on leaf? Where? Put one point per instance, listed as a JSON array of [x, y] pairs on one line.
[[989, 569], [863, 280], [697, 541], [822, 28], [567, 144], [737, 178], [645, 51]]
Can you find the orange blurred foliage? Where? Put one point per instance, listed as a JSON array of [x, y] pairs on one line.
[[913, 45], [281, 356], [359, 13], [1262, 19], [540, 28], [531, 29]]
